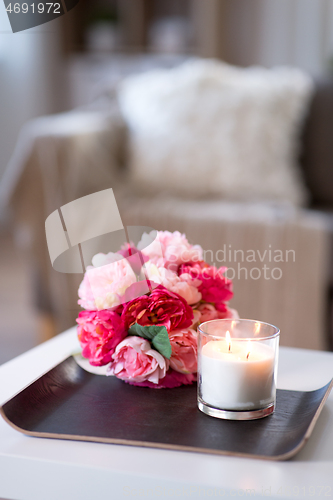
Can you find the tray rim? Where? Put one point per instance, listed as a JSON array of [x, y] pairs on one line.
[[175, 447]]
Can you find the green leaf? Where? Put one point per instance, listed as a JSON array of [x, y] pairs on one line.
[[158, 335], [162, 344], [141, 331]]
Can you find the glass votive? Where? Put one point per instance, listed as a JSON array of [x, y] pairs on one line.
[[237, 368]]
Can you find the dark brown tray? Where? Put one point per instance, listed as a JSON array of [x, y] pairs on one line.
[[70, 403]]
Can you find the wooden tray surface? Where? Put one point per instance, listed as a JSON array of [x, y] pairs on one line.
[[71, 403]]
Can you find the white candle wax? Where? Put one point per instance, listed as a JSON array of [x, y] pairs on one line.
[[241, 378]]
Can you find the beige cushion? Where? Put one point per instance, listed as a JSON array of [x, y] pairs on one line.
[[209, 129]]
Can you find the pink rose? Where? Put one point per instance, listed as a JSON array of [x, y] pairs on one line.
[[161, 307], [99, 332], [135, 361], [184, 350]]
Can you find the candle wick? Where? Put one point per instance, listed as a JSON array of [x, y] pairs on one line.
[[248, 354], [229, 347]]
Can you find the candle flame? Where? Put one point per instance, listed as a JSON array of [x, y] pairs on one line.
[[248, 349], [228, 340]]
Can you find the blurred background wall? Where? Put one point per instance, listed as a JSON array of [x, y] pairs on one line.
[[55, 66], [262, 32], [29, 87], [29, 63], [280, 32]]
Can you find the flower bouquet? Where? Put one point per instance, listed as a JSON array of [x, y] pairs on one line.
[[142, 306]]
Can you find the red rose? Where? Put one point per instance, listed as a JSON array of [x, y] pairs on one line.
[[161, 307]]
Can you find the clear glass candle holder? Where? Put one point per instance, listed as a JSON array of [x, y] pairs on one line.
[[237, 368]]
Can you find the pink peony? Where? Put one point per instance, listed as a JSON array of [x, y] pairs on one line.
[[87, 298], [184, 285], [208, 312], [103, 285], [161, 307], [184, 350], [193, 268], [136, 290], [135, 361], [196, 319], [172, 247], [228, 313], [215, 287], [99, 333], [134, 257], [186, 290]]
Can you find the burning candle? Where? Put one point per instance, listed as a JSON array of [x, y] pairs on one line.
[[237, 374]]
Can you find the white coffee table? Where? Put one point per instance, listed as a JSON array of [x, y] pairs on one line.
[[46, 469]]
